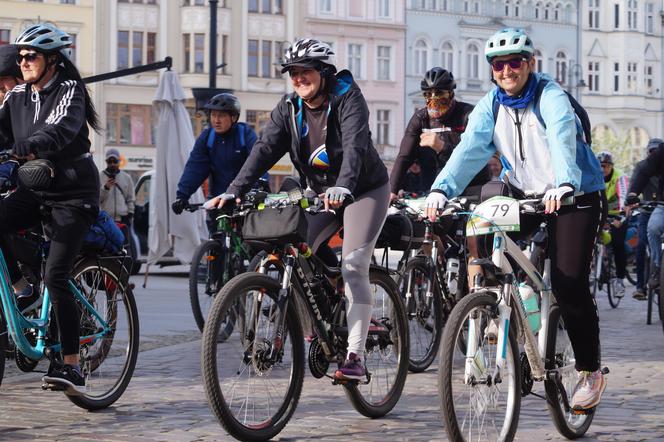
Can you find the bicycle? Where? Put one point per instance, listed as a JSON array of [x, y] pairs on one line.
[[654, 291], [603, 267], [109, 327], [481, 387], [254, 377]]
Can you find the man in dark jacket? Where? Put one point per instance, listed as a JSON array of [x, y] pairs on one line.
[[433, 132], [219, 152]]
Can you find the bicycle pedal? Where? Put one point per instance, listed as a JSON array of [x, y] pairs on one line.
[[582, 411], [53, 387]]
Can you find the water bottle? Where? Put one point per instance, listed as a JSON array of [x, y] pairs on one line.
[[452, 275], [529, 301]]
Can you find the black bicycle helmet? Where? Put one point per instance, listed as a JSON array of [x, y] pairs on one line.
[[438, 78], [224, 102], [8, 66]]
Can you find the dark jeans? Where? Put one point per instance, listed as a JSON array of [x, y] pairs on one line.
[[66, 226], [641, 272]]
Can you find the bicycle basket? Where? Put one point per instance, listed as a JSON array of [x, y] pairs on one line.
[[401, 233], [282, 225]]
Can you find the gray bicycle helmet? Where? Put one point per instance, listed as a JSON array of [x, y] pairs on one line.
[[8, 66], [438, 78], [605, 157], [309, 53], [224, 102], [46, 38]]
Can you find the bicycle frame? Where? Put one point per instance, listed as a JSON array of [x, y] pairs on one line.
[[16, 322]]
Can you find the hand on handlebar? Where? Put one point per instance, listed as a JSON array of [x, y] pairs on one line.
[[335, 196], [553, 198], [434, 202], [219, 201], [179, 205]]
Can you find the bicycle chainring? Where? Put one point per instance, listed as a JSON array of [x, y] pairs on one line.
[[318, 363], [24, 363], [526, 375]]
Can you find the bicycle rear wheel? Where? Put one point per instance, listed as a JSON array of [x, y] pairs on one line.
[[252, 386], [3, 344], [660, 297], [478, 406], [425, 321], [107, 363], [560, 356], [206, 279], [386, 355]]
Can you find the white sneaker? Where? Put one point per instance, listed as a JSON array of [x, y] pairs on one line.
[[619, 287], [589, 389]]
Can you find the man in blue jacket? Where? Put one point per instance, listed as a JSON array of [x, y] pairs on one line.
[[219, 152]]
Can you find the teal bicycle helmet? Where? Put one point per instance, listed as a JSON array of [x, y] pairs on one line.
[[46, 38], [508, 41]]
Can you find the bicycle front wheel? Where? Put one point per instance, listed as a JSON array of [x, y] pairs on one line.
[[660, 297], [386, 350], [107, 363], [252, 378], [206, 279], [3, 344], [479, 403]]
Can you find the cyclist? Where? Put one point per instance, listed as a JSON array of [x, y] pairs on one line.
[[616, 191], [552, 160], [649, 193], [219, 151], [46, 119], [10, 73], [654, 166], [324, 126]]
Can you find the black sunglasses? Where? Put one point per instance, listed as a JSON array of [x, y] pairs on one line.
[[29, 57], [112, 161], [513, 63]]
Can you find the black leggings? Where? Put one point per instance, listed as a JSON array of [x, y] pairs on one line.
[[619, 253], [66, 226]]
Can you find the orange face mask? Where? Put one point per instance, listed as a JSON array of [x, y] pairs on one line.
[[438, 102]]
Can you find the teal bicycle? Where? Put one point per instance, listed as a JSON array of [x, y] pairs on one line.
[[109, 336]]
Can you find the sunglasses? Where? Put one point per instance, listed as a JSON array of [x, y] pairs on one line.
[[606, 165], [428, 95], [112, 161], [29, 57], [513, 63], [300, 73]]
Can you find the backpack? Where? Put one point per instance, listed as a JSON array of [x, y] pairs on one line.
[[240, 132], [580, 112], [104, 235]]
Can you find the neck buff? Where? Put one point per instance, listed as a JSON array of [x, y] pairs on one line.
[[437, 107], [519, 101]]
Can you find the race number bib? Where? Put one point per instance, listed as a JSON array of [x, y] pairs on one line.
[[499, 213]]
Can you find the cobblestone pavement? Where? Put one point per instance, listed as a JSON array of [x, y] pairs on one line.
[[165, 400]]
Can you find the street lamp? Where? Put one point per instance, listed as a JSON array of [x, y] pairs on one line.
[[576, 80]]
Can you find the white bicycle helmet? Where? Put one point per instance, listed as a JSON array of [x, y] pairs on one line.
[[307, 52], [46, 38], [508, 41]]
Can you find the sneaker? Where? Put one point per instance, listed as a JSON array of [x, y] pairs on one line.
[[619, 287], [353, 368], [491, 332], [653, 281], [68, 377], [28, 299], [640, 295], [589, 389]]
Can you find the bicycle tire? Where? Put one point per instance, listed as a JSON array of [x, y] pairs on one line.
[[569, 425], [446, 383], [660, 299], [230, 296], [651, 298], [107, 275], [420, 316], [3, 344], [595, 270], [207, 266], [610, 269], [361, 399]]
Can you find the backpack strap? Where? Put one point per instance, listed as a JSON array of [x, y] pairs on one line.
[[210, 139]]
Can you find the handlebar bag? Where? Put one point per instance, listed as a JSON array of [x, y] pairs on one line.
[[282, 225], [401, 233], [36, 174]]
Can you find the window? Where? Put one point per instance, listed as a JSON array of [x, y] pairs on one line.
[[473, 62], [650, 18], [130, 124], [5, 35], [593, 76], [74, 40], [538, 6], [186, 42], [257, 119], [561, 68], [137, 49], [476, 7], [278, 56], [447, 56], [152, 47], [631, 77], [68, 2], [355, 59], [421, 57], [383, 8], [253, 6], [556, 12], [325, 6], [123, 49], [507, 8], [538, 60], [616, 16], [419, 4], [278, 9], [199, 53], [267, 7], [516, 8], [252, 67], [356, 8], [593, 14], [383, 62], [466, 6], [648, 80], [266, 59], [616, 77], [632, 6], [383, 127]]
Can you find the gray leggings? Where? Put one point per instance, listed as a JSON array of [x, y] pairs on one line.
[[362, 221]]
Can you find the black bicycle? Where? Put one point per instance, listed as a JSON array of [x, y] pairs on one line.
[[253, 378]]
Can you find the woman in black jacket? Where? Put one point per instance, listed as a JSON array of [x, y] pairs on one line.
[[45, 118], [324, 126]]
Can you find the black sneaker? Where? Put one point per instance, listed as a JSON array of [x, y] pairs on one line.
[[28, 299], [68, 377]]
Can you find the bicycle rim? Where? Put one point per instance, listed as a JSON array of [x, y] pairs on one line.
[[107, 363], [484, 408], [252, 395], [560, 355]]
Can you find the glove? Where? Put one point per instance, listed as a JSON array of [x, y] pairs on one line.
[[553, 197], [218, 201], [21, 149], [632, 199], [435, 200], [337, 194], [179, 205]]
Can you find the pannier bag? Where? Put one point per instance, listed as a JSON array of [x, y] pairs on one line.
[[401, 233], [104, 235], [36, 174], [282, 225]]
